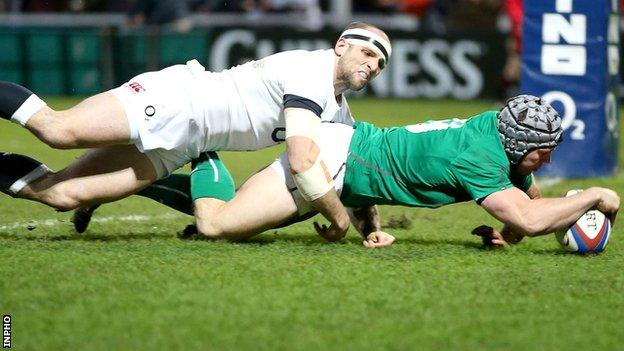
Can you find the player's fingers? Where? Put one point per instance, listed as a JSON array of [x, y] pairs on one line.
[[494, 242], [612, 217], [499, 242], [381, 239], [389, 240], [383, 243], [488, 241], [372, 244], [366, 243]]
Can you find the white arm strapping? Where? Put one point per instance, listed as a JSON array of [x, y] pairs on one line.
[[302, 122], [313, 183]]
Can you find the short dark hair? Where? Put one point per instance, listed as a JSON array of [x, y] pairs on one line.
[[358, 25], [364, 25]]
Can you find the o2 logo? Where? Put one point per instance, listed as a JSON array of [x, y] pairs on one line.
[[577, 126], [569, 114]]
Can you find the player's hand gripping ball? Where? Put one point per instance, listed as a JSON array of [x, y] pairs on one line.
[[589, 234]]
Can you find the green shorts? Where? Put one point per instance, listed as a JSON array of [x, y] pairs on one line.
[[210, 178]]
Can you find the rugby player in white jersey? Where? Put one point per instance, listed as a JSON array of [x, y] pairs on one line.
[[158, 121]]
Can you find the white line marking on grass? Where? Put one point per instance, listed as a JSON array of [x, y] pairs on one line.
[[56, 222]]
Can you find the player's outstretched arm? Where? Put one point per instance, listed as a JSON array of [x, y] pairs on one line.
[[540, 216], [309, 172]]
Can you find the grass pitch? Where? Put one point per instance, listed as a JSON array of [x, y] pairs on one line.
[[129, 283]]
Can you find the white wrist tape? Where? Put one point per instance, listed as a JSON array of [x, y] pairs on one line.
[[302, 122], [313, 183]]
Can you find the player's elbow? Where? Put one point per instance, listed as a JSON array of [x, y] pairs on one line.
[[301, 164], [529, 226], [64, 197], [302, 153]]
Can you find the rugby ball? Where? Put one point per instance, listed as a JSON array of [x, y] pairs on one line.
[[589, 234]]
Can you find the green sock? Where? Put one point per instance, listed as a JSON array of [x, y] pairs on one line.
[[209, 179]]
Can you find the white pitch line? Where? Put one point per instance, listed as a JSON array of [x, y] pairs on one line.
[[56, 222], [543, 183]]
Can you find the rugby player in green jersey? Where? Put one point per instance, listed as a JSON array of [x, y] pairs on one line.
[[488, 158]]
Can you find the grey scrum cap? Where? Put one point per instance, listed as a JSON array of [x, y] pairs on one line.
[[527, 123]]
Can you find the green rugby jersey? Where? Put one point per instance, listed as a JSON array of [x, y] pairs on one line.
[[427, 165]]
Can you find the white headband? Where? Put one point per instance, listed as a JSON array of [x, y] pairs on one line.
[[364, 37]]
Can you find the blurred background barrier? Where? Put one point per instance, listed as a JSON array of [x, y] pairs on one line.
[[82, 61], [456, 49], [55, 61]]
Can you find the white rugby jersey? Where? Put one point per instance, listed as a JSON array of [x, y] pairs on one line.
[[242, 108]]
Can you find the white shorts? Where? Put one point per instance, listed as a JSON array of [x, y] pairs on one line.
[[160, 111], [335, 140]]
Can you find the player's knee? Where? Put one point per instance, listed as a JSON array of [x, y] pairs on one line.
[[59, 201], [63, 198], [209, 229], [208, 218]]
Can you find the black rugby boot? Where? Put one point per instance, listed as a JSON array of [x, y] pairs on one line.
[[82, 218], [188, 232]]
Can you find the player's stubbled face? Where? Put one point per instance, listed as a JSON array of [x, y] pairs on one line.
[[533, 160], [359, 65]]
